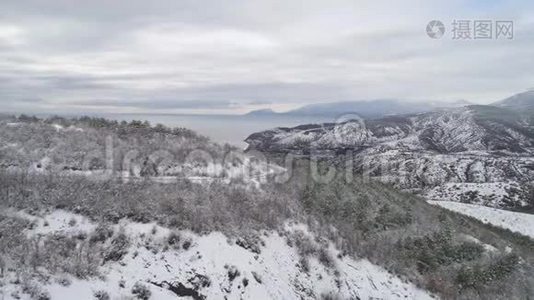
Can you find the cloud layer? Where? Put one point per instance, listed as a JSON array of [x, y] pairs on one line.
[[215, 57]]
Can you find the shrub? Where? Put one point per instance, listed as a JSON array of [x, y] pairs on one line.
[[387, 218], [325, 258], [436, 249], [141, 291], [199, 281], [330, 296], [466, 251], [101, 234], [44, 295], [186, 245], [477, 276], [173, 240], [118, 248], [304, 264], [249, 242], [257, 277], [101, 295], [233, 272], [307, 247], [67, 254], [64, 281], [34, 290]]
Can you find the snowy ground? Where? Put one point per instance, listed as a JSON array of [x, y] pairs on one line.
[[515, 221], [490, 194], [214, 266]]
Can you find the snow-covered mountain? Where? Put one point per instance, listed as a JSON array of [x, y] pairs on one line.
[[476, 154], [363, 108], [520, 102]]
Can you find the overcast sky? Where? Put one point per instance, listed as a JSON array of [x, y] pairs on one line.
[[232, 56]]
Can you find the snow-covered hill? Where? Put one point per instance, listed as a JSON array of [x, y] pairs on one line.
[[71, 229], [475, 154], [129, 151], [169, 264]]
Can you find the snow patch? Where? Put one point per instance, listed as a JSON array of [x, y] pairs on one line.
[[515, 221]]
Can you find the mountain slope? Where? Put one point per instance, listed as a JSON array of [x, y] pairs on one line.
[[367, 109], [519, 102], [64, 232], [172, 263], [446, 131], [437, 153]]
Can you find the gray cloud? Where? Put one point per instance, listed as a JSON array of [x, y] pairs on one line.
[[167, 55], [160, 103]]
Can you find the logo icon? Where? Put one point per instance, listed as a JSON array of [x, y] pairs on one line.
[[435, 29]]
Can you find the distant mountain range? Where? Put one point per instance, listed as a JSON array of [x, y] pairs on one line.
[[520, 102], [365, 109], [370, 109], [481, 154]]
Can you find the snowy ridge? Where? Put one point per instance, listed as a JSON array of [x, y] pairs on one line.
[[101, 153], [214, 266]]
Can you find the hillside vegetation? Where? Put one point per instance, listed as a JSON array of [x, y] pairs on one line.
[[451, 255]]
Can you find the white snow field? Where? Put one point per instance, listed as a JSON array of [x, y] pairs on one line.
[[515, 221]]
